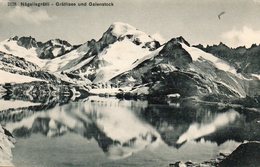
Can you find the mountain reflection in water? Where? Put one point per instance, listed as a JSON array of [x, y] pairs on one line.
[[197, 130], [123, 128]]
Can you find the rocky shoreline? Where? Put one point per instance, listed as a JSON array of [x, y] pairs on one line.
[[245, 155], [6, 144]]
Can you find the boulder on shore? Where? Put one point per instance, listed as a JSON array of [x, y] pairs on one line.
[[246, 155]]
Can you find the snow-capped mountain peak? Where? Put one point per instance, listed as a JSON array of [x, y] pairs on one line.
[[125, 31], [120, 29]]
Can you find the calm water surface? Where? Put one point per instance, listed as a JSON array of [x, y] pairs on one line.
[[111, 132]]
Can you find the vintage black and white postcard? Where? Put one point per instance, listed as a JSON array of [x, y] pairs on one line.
[[129, 83]]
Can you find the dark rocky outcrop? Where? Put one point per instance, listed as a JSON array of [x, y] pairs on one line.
[[9, 61], [54, 48], [47, 50], [246, 155], [27, 42]]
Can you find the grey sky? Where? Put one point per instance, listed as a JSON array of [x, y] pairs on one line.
[[196, 20]]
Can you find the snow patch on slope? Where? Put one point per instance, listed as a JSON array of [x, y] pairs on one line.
[[11, 47], [7, 77], [120, 57], [64, 62], [81, 64], [256, 75], [231, 88], [197, 54], [121, 68], [56, 51], [149, 56]]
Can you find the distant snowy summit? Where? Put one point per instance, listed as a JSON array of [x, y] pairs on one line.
[[47, 50], [127, 57]]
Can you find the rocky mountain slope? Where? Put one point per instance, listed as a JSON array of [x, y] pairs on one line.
[[245, 60], [180, 68]]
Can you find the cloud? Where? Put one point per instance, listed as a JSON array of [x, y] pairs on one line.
[[256, 1], [245, 36], [157, 36], [19, 15]]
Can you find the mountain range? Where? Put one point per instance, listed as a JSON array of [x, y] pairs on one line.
[[128, 63]]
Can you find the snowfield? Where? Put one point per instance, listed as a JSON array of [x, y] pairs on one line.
[[11, 47], [120, 57], [66, 61], [197, 54], [7, 77]]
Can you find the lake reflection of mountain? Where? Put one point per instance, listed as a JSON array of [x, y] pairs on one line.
[[124, 129]]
